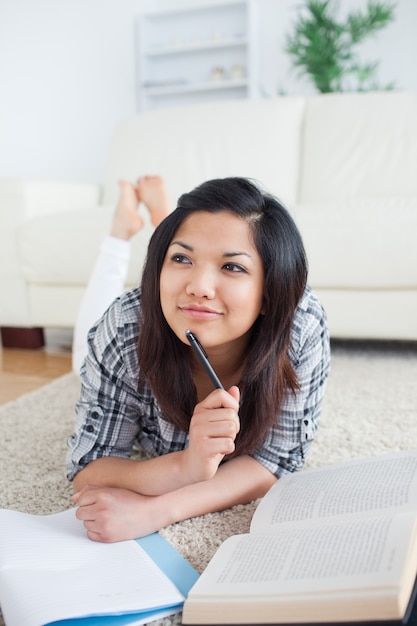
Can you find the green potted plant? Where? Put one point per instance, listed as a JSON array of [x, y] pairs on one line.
[[323, 47]]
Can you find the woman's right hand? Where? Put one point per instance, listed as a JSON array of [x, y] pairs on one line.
[[213, 429]]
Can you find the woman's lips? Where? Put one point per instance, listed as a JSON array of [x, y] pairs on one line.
[[197, 312]]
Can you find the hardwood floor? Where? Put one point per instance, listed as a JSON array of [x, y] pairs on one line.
[[22, 371]]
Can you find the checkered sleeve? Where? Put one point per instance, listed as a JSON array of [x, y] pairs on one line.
[[109, 410], [289, 441]]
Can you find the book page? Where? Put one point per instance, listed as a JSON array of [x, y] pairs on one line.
[[50, 563], [359, 487], [366, 553]]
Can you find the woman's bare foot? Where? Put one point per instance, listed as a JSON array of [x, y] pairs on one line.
[[152, 192], [126, 219]]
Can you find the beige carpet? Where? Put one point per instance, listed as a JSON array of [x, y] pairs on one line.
[[370, 407]]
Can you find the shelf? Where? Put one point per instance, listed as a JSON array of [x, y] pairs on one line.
[[165, 90], [202, 53], [195, 47]]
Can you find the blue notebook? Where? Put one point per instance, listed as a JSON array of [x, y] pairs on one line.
[[174, 566], [50, 572]]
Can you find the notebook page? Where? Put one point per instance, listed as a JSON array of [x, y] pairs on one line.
[[49, 561]]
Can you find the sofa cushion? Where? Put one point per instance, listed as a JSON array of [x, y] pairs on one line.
[[258, 139], [361, 244], [359, 146], [369, 244]]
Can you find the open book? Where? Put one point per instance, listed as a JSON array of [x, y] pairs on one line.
[[333, 544], [50, 572]]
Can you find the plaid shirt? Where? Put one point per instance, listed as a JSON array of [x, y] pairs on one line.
[[113, 415]]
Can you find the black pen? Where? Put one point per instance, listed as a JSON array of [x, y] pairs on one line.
[[203, 358]]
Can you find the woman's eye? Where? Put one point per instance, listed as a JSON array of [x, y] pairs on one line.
[[180, 258], [234, 267]]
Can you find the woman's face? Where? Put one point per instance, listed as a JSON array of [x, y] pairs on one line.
[[212, 280]]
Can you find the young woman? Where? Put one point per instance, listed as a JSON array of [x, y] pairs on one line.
[[228, 264]]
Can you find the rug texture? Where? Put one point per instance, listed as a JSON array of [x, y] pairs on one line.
[[370, 408]]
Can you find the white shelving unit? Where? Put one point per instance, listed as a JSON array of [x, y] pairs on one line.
[[196, 55]]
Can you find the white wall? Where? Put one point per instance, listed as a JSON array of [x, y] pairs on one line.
[[67, 75]]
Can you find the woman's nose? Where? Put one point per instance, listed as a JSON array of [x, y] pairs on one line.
[[201, 284]]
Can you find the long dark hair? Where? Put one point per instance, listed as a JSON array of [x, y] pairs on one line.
[[268, 375]]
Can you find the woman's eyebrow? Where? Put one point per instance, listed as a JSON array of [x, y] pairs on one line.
[[182, 244], [225, 255], [228, 255]]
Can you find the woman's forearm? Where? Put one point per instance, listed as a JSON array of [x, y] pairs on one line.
[[164, 475], [237, 481], [111, 514], [150, 477]]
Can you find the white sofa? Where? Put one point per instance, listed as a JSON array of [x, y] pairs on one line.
[[344, 164]]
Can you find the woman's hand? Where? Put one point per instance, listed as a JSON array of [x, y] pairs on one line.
[[213, 429], [111, 514]]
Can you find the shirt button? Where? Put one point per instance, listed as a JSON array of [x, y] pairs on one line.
[[95, 415], [89, 428]]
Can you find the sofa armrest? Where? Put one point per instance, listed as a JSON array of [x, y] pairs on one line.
[[22, 200]]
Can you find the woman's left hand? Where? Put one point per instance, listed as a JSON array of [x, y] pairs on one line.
[[112, 514]]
